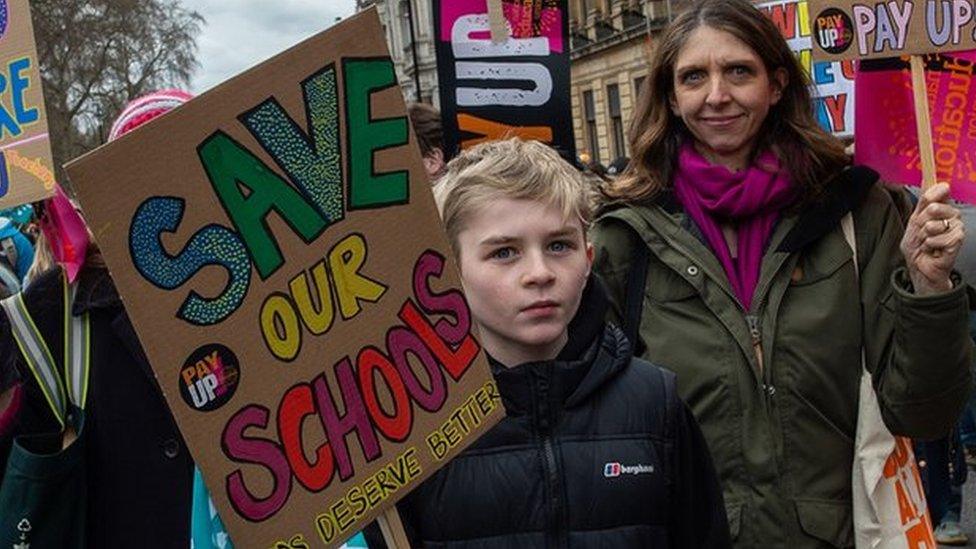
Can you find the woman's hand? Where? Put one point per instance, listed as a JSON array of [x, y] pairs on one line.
[[932, 241]]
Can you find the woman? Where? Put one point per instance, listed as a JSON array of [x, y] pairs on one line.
[[137, 475], [733, 204]]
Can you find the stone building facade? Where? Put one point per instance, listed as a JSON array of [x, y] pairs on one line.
[[608, 39], [396, 16]]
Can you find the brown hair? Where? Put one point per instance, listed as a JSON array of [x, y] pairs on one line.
[[809, 154], [426, 122], [510, 168]]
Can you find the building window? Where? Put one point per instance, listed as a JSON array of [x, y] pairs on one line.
[[616, 120], [405, 20], [589, 114]]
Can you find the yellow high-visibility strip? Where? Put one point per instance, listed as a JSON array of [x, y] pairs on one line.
[[77, 348], [36, 353]]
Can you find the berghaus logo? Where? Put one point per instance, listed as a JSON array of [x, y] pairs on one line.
[[615, 469]]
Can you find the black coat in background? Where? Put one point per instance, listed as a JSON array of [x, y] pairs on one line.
[[545, 475], [139, 471]]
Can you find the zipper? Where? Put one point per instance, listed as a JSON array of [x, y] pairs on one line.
[[756, 334], [554, 534], [554, 491]]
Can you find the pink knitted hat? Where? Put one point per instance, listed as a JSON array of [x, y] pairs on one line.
[[62, 225], [145, 108]]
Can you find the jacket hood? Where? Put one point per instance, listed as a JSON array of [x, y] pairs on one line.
[[7, 228], [594, 353]]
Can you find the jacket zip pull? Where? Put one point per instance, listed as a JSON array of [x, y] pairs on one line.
[[756, 335]]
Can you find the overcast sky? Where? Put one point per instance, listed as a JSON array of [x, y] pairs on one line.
[[241, 33]]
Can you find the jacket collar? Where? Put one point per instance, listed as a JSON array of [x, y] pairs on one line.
[[843, 195], [95, 291], [594, 353]]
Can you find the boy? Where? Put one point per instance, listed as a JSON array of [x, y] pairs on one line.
[[596, 450]]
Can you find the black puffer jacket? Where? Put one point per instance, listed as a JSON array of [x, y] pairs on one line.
[[597, 451]]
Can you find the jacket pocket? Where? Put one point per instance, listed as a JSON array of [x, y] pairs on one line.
[[827, 520], [821, 263], [664, 285]]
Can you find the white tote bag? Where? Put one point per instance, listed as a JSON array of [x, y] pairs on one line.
[[890, 511]]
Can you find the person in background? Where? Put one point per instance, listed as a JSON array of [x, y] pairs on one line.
[[724, 248], [617, 167], [945, 471], [138, 469], [426, 121], [16, 250]]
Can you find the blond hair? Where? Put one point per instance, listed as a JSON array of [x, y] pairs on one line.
[[43, 258], [515, 169]]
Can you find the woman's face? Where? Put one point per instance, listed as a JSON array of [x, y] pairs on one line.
[[723, 92]]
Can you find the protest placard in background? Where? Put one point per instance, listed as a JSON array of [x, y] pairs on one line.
[[281, 258], [846, 29], [886, 139], [26, 168], [833, 80], [517, 87]]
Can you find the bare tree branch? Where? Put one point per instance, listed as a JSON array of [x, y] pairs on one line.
[[97, 55]]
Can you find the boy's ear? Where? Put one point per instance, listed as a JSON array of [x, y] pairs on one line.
[[589, 257]]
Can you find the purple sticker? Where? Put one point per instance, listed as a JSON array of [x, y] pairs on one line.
[[4, 17]]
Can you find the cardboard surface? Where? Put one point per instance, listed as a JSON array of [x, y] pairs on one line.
[[26, 168], [833, 95], [280, 256], [518, 87], [851, 29]]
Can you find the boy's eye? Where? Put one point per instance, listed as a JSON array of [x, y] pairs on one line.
[[502, 253], [560, 246]]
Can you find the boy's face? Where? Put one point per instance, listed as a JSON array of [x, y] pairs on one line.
[[523, 268]]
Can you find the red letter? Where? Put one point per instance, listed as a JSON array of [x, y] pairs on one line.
[[355, 420], [295, 406], [397, 426], [455, 362]]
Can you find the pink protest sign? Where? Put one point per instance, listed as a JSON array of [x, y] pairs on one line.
[[886, 137]]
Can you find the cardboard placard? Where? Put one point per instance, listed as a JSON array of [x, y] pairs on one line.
[[26, 168], [517, 87], [278, 250], [833, 80], [886, 137], [855, 29]]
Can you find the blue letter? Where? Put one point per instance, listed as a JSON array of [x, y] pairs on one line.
[[211, 245]]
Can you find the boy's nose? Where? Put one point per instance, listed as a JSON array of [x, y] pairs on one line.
[[537, 271]]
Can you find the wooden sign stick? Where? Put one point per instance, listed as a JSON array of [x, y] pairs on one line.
[[496, 21], [923, 124], [392, 527]]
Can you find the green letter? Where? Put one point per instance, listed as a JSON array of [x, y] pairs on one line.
[[248, 190], [311, 161], [366, 135]]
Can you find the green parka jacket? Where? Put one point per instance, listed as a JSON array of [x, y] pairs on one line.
[[780, 417]]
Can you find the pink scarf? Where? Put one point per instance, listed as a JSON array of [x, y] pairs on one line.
[[749, 199], [66, 233]]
